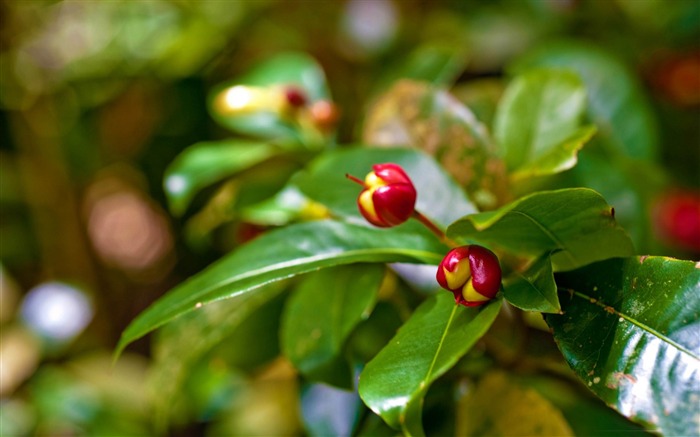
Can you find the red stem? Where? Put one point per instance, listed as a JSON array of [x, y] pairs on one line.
[[356, 180], [434, 228]]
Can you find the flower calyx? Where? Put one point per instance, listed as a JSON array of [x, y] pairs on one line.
[[388, 198], [472, 273]]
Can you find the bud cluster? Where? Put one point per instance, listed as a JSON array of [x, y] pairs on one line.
[[472, 273]]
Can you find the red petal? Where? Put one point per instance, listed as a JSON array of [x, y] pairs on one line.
[[486, 271], [395, 203]]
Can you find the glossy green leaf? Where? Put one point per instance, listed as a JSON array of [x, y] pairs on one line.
[[632, 186], [438, 333], [180, 345], [280, 254], [534, 289], [418, 115], [631, 331], [439, 197], [576, 223], [499, 406], [322, 313], [539, 112], [296, 69], [616, 102], [203, 164]]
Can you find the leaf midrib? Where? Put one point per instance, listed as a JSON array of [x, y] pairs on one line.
[[637, 323], [424, 385], [555, 304], [559, 244]]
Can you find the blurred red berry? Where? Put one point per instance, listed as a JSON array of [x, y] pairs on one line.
[[295, 96], [677, 219]]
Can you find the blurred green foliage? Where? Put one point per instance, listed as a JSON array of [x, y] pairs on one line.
[[99, 98]]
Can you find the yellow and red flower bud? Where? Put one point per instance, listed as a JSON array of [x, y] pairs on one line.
[[472, 273], [389, 197]]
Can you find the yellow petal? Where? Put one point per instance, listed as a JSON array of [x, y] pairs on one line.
[[367, 205], [459, 276], [471, 295], [373, 181]]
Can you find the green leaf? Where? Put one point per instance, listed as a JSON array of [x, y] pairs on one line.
[[559, 158], [280, 254], [285, 206], [631, 331], [296, 69], [534, 289], [438, 333], [499, 406], [539, 114], [418, 115], [616, 102], [182, 344], [322, 313], [438, 196], [632, 186], [576, 223], [203, 164]]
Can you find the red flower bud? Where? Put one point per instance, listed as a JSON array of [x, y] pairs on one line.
[[471, 273], [295, 96], [389, 196], [677, 219]]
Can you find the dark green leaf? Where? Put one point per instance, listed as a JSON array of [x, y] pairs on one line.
[[438, 333], [631, 331], [418, 115], [297, 69], [438, 196], [203, 164], [283, 253], [616, 103], [577, 223], [535, 289], [632, 186], [321, 314]]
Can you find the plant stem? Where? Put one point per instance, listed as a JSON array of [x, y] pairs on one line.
[[354, 179], [434, 228]]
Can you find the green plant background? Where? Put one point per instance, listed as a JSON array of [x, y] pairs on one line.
[[224, 259]]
